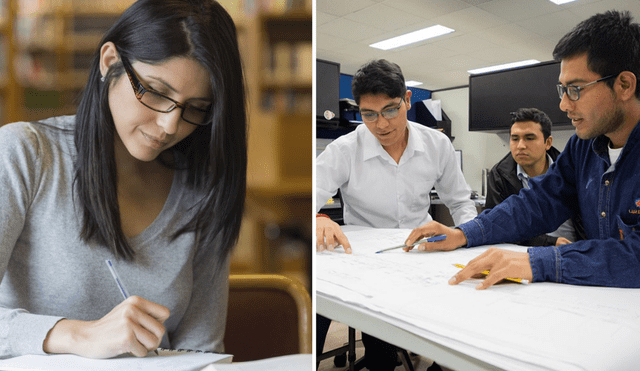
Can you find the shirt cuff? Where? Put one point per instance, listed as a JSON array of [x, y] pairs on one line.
[[473, 232], [29, 331], [546, 263]]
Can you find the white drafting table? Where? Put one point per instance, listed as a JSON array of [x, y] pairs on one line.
[[404, 298], [375, 325]]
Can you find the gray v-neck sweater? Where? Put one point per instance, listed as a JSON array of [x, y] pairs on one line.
[[49, 273]]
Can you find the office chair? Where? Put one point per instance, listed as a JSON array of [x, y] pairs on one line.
[[269, 315], [349, 350]]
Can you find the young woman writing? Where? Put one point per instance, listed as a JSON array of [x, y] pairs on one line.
[[150, 173]]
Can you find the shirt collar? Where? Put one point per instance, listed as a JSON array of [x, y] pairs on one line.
[[414, 144], [373, 148], [523, 174]]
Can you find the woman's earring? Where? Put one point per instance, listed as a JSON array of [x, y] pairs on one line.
[[102, 79]]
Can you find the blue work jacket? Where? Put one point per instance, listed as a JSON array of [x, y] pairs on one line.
[[580, 183]]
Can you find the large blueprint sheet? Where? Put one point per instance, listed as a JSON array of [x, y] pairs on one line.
[[513, 326]]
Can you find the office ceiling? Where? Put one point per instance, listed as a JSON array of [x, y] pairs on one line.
[[487, 32]]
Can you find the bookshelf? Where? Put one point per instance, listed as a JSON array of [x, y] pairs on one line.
[[9, 89], [276, 45], [55, 41], [51, 43]]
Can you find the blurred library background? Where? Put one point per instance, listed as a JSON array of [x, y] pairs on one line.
[[45, 52]]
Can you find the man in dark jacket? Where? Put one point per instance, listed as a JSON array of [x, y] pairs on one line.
[[531, 155]]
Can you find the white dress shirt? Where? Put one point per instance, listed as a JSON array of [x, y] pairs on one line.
[[378, 192]]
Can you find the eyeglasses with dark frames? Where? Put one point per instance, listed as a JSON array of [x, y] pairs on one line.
[[193, 114], [573, 91], [372, 116]]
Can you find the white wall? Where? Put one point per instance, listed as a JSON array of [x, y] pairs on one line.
[[480, 150]]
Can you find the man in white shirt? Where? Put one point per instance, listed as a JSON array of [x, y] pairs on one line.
[[387, 167], [385, 171]]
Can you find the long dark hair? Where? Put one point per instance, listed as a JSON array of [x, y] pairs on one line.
[[152, 31]]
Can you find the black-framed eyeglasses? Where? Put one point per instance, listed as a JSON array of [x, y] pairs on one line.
[[372, 116], [573, 91], [194, 111]]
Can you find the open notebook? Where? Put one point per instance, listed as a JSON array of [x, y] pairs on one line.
[[169, 360]]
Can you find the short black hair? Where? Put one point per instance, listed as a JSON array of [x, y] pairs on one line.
[[610, 41], [378, 77], [535, 115]]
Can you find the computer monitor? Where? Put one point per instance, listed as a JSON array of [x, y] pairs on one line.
[[327, 88]]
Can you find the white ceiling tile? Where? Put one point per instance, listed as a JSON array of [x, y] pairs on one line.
[[493, 55], [427, 9], [487, 33], [329, 42], [346, 29], [507, 34], [549, 24], [340, 7], [516, 10], [458, 62], [470, 20], [465, 43], [322, 18], [388, 35], [591, 8], [476, 2], [427, 52], [384, 17], [363, 52]]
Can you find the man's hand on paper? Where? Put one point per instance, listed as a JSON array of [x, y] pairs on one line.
[[329, 235], [455, 237], [500, 264], [134, 326]]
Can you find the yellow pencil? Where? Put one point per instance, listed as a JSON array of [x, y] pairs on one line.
[[517, 280]]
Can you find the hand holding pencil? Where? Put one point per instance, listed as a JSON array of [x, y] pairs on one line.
[[436, 238], [501, 264], [135, 326], [454, 238]]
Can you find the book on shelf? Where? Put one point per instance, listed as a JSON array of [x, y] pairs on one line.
[[289, 63]]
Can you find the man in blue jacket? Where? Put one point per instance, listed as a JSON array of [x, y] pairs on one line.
[[596, 177]]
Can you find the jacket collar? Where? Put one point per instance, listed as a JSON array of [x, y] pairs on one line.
[[600, 145]]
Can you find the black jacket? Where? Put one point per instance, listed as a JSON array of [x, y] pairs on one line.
[[502, 182]]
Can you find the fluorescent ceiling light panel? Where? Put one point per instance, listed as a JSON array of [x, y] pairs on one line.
[[413, 83], [559, 2], [503, 66], [412, 37]]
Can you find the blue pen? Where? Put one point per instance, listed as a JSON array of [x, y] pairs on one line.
[[116, 277], [436, 238]]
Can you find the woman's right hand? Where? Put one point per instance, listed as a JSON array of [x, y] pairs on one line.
[[329, 235], [134, 326]]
